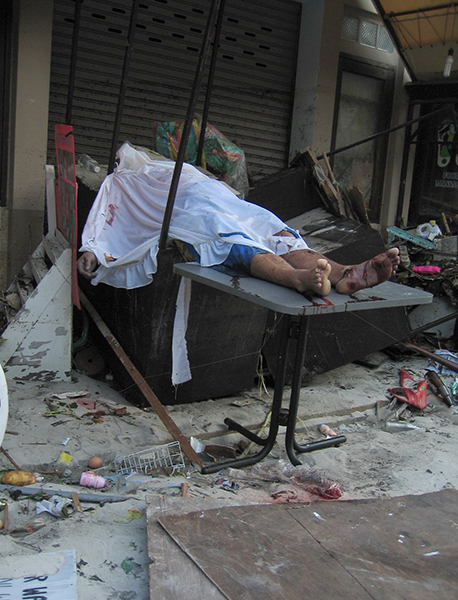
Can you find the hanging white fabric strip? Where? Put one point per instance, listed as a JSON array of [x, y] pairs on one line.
[[181, 371]]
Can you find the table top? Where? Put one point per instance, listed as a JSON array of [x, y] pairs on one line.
[[287, 301]]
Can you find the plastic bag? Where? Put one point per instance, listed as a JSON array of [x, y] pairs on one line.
[[302, 476], [167, 137], [221, 157]]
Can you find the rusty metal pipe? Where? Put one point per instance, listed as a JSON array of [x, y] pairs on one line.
[[443, 361], [208, 38]]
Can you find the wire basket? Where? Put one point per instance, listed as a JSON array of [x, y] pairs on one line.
[[156, 457]]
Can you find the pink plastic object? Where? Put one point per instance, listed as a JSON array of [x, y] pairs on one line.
[[427, 269], [89, 479]]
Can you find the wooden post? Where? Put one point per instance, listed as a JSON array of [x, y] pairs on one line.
[[148, 393]]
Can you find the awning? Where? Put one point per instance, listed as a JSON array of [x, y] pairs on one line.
[[425, 32]]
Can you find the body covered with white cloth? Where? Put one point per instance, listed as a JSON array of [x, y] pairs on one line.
[[124, 224]]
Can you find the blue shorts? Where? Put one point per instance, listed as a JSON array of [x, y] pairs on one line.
[[239, 258]]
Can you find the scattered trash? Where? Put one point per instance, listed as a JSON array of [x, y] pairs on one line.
[[88, 163], [447, 356], [89, 479], [454, 389], [132, 514], [130, 566], [301, 476], [395, 426], [404, 257], [416, 395], [151, 459], [30, 527], [227, 484], [439, 388], [95, 462], [65, 442], [212, 450], [429, 230], [240, 402], [54, 577], [56, 506], [18, 478], [65, 458], [426, 269], [326, 430], [66, 395]]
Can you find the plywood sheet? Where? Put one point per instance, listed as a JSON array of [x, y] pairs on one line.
[[379, 549], [261, 553]]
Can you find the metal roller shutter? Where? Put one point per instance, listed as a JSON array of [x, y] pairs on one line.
[[253, 88]]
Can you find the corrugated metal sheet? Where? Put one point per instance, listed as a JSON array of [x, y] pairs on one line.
[[253, 89]]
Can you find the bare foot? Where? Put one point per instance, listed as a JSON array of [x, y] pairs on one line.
[[369, 273], [314, 280]]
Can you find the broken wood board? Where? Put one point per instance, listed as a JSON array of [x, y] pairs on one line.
[[37, 343], [367, 549]]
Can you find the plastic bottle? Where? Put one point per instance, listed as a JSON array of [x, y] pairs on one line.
[[393, 426], [429, 230], [88, 163]]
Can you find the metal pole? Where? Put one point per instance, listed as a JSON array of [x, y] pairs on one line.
[[404, 166], [386, 132], [203, 126], [209, 35], [71, 83], [123, 86]]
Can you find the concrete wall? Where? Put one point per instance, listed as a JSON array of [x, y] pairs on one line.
[[316, 86], [26, 206]]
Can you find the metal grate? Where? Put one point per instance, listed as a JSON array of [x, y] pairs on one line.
[[384, 41], [168, 456], [368, 34], [350, 29]]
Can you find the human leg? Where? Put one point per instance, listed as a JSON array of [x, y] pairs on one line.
[[248, 260]]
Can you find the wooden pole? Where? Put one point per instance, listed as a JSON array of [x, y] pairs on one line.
[[147, 392]]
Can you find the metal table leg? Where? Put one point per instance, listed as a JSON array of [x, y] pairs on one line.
[[268, 442], [292, 447]]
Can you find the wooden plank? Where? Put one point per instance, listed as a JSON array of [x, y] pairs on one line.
[[37, 342], [38, 267]]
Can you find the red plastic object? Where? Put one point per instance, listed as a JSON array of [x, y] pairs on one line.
[[416, 397]]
